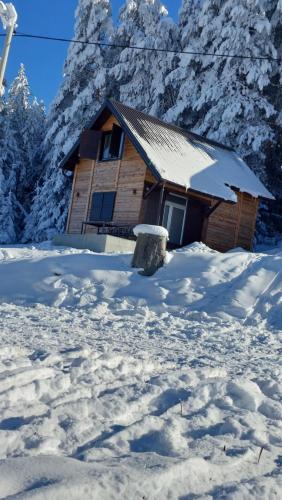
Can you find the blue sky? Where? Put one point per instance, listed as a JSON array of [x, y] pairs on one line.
[[44, 60]]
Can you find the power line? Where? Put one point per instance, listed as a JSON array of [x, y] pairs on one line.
[[148, 49]]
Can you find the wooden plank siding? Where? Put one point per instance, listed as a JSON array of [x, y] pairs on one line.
[[125, 176], [248, 218], [221, 227], [233, 225], [80, 195]]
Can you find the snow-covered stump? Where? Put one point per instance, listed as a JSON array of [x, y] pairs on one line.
[[150, 250]]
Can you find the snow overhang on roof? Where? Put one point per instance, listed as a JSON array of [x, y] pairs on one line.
[[184, 158]]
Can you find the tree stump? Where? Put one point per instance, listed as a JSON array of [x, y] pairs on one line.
[[150, 252]]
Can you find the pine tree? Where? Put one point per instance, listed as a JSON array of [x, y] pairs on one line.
[[22, 130], [234, 89], [27, 120], [84, 88], [7, 148], [187, 77], [225, 98], [140, 74], [272, 215]]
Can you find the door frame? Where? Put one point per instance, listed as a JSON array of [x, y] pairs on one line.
[[172, 205]]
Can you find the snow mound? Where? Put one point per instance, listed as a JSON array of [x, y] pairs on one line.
[[237, 284], [117, 386]]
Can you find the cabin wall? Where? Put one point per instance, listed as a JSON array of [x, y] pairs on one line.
[[229, 226], [125, 176], [233, 225], [80, 195], [248, 216]]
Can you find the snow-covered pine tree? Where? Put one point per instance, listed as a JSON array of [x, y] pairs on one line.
[[7, 149], [7, 226], [139, 74], [84, 88], [272, 212], [234, 89], [37, 131], [25, 129], [273, 9], [27, 120], [186, 78], [221, 97]]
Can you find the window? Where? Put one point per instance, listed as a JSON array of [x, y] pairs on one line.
[[102, 207], [112, 144]]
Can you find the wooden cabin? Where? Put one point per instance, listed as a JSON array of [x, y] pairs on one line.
[[131, 168]]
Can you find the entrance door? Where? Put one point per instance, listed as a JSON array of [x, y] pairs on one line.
[[194, 222], [174, 218]]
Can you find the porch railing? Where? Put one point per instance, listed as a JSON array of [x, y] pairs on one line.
[[111, 228]]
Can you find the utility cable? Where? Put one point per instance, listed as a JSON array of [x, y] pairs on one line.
[[148, 49]]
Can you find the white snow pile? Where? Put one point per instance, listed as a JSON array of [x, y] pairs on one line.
[[149, 229], [119, 386]]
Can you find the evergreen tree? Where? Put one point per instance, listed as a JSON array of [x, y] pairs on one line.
[[7, 149], [272, 216], [234, 90], [226, 98], [187, 77], [22, 130], [27, 120], [84, 88], [140, 74]]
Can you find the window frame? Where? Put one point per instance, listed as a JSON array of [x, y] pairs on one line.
[[121, 147]]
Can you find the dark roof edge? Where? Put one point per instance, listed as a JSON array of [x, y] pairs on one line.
[[182, 130], [134, 141], [110, 105]]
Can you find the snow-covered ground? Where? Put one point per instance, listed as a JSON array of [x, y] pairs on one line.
[[118, 386]]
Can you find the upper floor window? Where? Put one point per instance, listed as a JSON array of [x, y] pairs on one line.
[[112, 144]]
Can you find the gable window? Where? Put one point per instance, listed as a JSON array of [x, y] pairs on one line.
[[112, 144], [102, 207]]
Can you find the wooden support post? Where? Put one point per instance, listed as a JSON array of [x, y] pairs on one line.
[[160, 212]]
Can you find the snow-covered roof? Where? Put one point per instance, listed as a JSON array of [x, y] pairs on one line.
[[189, 160], [182, 157]]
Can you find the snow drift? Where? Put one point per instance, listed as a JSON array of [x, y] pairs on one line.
[[117, 386]]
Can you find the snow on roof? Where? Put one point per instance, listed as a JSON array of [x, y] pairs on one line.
[[190, 160]]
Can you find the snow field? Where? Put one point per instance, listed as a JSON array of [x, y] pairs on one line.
[[118, 386]]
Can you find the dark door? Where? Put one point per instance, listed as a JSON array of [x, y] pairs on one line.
[[151, 206], [194, 221]]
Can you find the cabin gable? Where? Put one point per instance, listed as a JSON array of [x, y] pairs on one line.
[[124, 176]]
